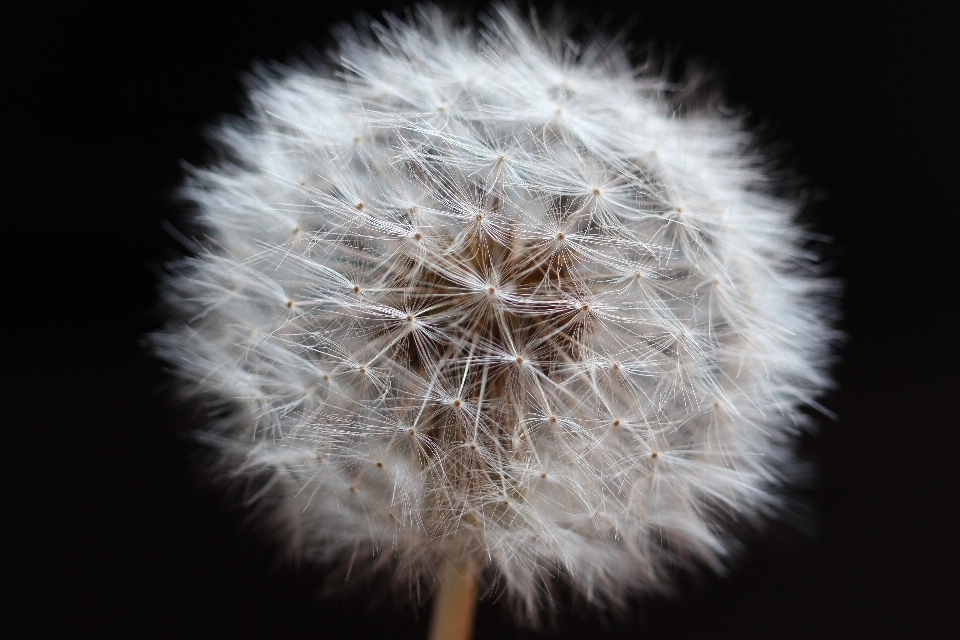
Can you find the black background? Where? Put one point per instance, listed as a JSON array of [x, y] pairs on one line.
[[113, 533]]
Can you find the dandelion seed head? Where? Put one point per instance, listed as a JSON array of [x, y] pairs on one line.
[[377, 383]]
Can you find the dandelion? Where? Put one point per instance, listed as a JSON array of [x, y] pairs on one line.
[[484, 307]]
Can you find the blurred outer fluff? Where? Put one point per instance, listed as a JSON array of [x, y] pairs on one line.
[[486, 294]]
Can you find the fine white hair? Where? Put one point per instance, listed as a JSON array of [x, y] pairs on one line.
[[491, 294]]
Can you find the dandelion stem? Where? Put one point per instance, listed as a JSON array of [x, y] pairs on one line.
[[455, 602]]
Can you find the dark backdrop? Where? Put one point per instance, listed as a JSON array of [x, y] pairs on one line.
[[114, 535]]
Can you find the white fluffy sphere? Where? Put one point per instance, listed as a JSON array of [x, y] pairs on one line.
[[490, 295]]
